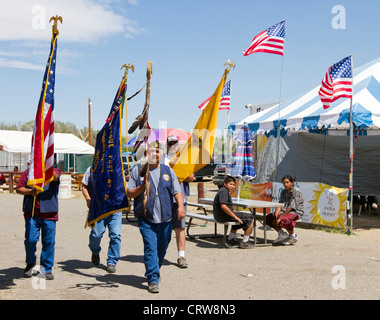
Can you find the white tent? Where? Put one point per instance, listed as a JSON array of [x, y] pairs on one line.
[[20, 142], [17, 144], [325, 157]]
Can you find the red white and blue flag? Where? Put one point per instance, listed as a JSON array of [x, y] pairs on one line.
[[42, 151], [225, 99], [337, 82], [270, 40]]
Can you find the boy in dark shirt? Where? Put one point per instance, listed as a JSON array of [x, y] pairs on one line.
[[223, 212]]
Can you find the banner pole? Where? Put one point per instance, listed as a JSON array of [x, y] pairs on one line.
[[350, 183]]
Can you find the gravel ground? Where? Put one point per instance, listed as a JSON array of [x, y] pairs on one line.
[[322, 265]]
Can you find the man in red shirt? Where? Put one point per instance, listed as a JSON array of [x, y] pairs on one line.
[[43, 219]]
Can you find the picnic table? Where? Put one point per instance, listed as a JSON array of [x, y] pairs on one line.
[[251, 205], [13, 177]]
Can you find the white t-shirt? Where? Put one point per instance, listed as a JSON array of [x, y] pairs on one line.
[[184, 195]]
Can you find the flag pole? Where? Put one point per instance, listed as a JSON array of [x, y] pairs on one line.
[[230, 64], [350, 182], [127, 67], [278, 119]]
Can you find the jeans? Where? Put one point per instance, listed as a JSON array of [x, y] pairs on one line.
[[156, 237], [33, 225], [114, 231]]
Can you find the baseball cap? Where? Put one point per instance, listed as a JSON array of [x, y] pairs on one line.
[[155, 144], [171, 139]]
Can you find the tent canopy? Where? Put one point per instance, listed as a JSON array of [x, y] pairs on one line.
[[306, 111], [20, 142]]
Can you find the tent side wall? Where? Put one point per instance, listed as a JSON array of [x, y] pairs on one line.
[[324, 158]]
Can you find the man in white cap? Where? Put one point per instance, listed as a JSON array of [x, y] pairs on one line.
[[172, 147]]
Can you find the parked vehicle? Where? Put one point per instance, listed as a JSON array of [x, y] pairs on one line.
[[127, 170], [220, 172], [206, 171], [209, 169]]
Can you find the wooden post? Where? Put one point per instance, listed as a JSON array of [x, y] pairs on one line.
[[201, 192]]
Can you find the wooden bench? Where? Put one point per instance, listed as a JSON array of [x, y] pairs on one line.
[[207, 218], [210, 218]]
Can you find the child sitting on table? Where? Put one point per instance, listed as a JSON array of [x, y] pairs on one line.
[[287, 216], [223, 212]]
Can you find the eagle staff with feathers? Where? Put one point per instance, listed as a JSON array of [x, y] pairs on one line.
[[141, 145]]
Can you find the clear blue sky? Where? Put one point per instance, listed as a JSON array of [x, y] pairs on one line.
[[188, 42]]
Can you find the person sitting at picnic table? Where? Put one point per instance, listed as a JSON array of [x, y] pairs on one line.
[[2, 179], [223, 212], [287, 216]]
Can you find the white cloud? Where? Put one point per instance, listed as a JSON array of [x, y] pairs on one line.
[[83, 20], [10, 63]]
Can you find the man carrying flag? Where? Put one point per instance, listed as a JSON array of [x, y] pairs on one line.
[[39, 183], [104, 185]]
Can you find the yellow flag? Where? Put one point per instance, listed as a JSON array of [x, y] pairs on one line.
[[197, 152]]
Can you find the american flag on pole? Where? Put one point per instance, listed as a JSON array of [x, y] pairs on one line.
[[270, 40], [42, 151], [337, 82], [225, 99]]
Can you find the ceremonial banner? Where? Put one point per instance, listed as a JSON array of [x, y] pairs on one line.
[[42, 150], [197, 152], [109, 191]]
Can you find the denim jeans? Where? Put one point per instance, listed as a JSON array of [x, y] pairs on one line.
[[33, 225], [114, 231], [156, 237]]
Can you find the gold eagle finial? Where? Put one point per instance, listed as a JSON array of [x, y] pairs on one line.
[[55, 24]]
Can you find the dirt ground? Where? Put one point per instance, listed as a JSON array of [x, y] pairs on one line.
[[322, 265]]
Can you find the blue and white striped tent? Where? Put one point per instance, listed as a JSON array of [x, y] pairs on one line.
[[306, 111]]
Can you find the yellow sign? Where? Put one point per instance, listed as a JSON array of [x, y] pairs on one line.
[[328, 205]]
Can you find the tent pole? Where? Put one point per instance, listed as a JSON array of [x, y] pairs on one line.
[[278, 120], [350, 183]]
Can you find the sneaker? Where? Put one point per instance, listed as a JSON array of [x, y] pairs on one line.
[[233, 242], [282, 236], [291, 240], [28, 271], [111, 268], [153, 288], [95, 259], [246, 245], [49, 276], [181, 263]]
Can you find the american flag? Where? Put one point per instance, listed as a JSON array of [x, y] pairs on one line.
[[270, 40], [337, 82], [225, 99], [42, 151]]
